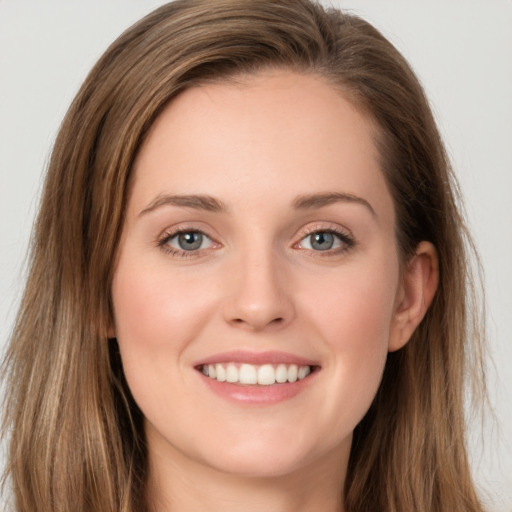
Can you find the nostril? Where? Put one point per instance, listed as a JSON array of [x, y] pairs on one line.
[[255, 324]]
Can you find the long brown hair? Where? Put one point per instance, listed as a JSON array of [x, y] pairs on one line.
[[76, 437]]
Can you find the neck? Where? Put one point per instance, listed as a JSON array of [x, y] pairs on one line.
[[181, 485]]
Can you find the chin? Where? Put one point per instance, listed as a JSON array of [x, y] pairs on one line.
[[258, 465], [266, 456]]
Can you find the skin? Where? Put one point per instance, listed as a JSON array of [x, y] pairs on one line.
[[257, 284]]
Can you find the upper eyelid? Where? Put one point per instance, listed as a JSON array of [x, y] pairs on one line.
[[342, 237], [172, 231], [174, 234], [323, 226], [326, 229]]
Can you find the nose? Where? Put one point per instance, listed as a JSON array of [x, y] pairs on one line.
[[261, 297]]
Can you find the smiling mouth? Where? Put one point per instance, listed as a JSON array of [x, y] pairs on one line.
[[260, 375]]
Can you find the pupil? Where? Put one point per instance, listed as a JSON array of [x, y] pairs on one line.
[[322, 241], [190, 241]]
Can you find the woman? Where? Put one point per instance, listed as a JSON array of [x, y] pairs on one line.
[[248, 285]]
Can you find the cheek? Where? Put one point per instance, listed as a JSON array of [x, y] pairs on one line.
[[154, 307], [354, 317], [156, 316], [355, 307]]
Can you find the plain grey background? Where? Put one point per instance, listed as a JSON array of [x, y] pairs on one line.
[[462, 52]]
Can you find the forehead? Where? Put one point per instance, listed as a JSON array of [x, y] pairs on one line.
[[271, 131]]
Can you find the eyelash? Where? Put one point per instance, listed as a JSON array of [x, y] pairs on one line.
[[345, 238], [169, 235]]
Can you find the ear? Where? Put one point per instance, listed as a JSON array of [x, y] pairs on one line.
[[415, 293]]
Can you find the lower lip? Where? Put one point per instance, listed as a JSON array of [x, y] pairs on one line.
[[258, 395]]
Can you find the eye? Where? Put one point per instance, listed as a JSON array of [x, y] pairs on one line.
[[186, 241], [326, 240]]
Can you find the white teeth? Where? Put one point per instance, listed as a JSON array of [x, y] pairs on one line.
[[266, 375], [302, 372], [292, 373], [231, 373], [221, 373], [281, 373], [249, 374]]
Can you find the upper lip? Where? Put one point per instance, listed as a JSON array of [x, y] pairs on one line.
[[257, 358]]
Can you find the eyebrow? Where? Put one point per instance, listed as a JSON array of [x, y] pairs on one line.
[[311, 201], [196, 201], [211, 204]]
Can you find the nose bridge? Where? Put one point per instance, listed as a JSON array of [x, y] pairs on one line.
[[260, 297]]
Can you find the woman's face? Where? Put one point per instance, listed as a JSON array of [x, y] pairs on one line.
[[257, 292]]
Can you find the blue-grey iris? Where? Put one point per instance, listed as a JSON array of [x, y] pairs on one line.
[[322, 241], [190, 241]]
